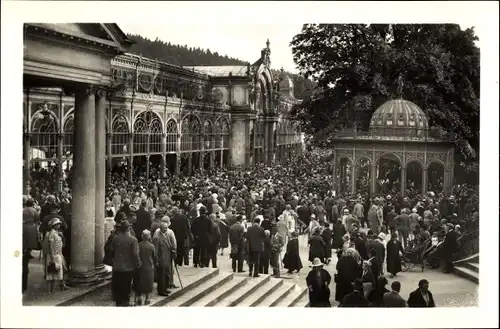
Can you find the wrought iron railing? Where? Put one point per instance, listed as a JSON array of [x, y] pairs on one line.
[[468, 245], [405, 133]]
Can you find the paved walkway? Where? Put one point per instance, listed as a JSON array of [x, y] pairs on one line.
[[449, 290]]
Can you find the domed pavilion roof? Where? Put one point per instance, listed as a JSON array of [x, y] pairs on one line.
[[398, 114]]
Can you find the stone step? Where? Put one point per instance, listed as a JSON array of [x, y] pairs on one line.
[[278, 295], [303, 301], [474, 259], [193, 295], [221, 292], [466, 273], [191, 278], [472, 266], [258, 295], [293, 297], [244, 291]]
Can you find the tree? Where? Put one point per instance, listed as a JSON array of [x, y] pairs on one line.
[[357, 68]]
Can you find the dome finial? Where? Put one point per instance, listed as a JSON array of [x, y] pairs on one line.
[[399, 90]]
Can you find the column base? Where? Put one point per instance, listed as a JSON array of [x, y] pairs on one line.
[[85, 279], [102, 272]]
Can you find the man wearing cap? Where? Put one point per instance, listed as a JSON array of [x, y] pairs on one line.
[[317, 282], [143, 221], [421, 297], [201, 228], [255, 236], [125, 260], [166, 251], [235, 238], [180, 226]]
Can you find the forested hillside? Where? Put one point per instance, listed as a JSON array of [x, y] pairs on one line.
[[193, 56]]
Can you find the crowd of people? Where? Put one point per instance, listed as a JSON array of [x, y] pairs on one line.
[[258, 213]]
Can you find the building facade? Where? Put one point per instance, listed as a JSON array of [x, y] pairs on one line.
[[176, 118]]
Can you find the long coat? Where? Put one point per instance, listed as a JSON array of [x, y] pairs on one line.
[[417, 300], [393, 258], [347, 271], [373, 220], [292, 261], [224, 234], [144, 279], [30, 231], [316, 248], [319, 293], [327, 238], [338, 232]]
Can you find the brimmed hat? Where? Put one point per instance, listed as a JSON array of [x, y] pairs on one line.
[[313, 216], [54, 221], [317, 262], [389, 197], [381, 236], [358, 283], [124, 224], [203, 210]]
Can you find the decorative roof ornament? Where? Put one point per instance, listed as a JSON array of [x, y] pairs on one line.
[[400, 83], [266, 55]]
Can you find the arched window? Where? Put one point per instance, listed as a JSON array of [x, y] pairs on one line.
[[43, 136], [147, 133], [172, 136], [69, 128], [208, 135], [191, 133], [218, 133], [120, 136], [225, 133]]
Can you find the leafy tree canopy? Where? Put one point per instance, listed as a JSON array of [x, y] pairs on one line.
[[357, 68]]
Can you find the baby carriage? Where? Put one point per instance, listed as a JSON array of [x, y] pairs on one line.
[[415, 254]]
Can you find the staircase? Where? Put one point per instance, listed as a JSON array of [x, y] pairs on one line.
[[468, 268], [212, 287]]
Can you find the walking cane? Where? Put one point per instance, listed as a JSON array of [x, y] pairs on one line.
[[178, 275]]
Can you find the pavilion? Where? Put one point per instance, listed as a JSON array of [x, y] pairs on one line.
[[399, 133]]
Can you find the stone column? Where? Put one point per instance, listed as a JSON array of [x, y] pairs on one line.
[[403, 181], [373, 178], [60, 169], [178, 153], [190, 163], [147, 167], [100, 180], [334, 167], [26, 158], [131, 158], [353, 178], [212, 159], [424, 180], [84, 189], [110, 158], [238, 141], [163, 165], [446, 182]]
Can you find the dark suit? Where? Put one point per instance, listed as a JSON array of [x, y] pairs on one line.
[[393, 299], [265, 256], [143, 222], [125, 254], [180, 225], [255, 236], [417, 300], [235, 233], [449, 248], [201, 229]]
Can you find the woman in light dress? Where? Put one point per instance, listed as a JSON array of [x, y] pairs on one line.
[[55, 265]]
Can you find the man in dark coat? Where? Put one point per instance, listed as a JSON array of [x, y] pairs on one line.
[[347, 271], [201, 228], [421, 297], [255, 236], [179, 223], [292, 261], [338, 232], [327, 238], [318, 281], [235, 237], [355, 298], [449, 247], [360, 245], [317, 246], [265, 255], [329, 202], [213, 244], [393, 257], [379, 250], [143, 221]]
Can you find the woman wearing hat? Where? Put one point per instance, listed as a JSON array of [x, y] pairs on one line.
[[292, 261], [53, 257], [318, 281], [145, 274], [348, 269]]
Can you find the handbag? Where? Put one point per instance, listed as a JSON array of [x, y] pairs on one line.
[[51, 268]]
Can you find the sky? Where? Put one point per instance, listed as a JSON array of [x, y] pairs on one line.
[[243, 41]]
